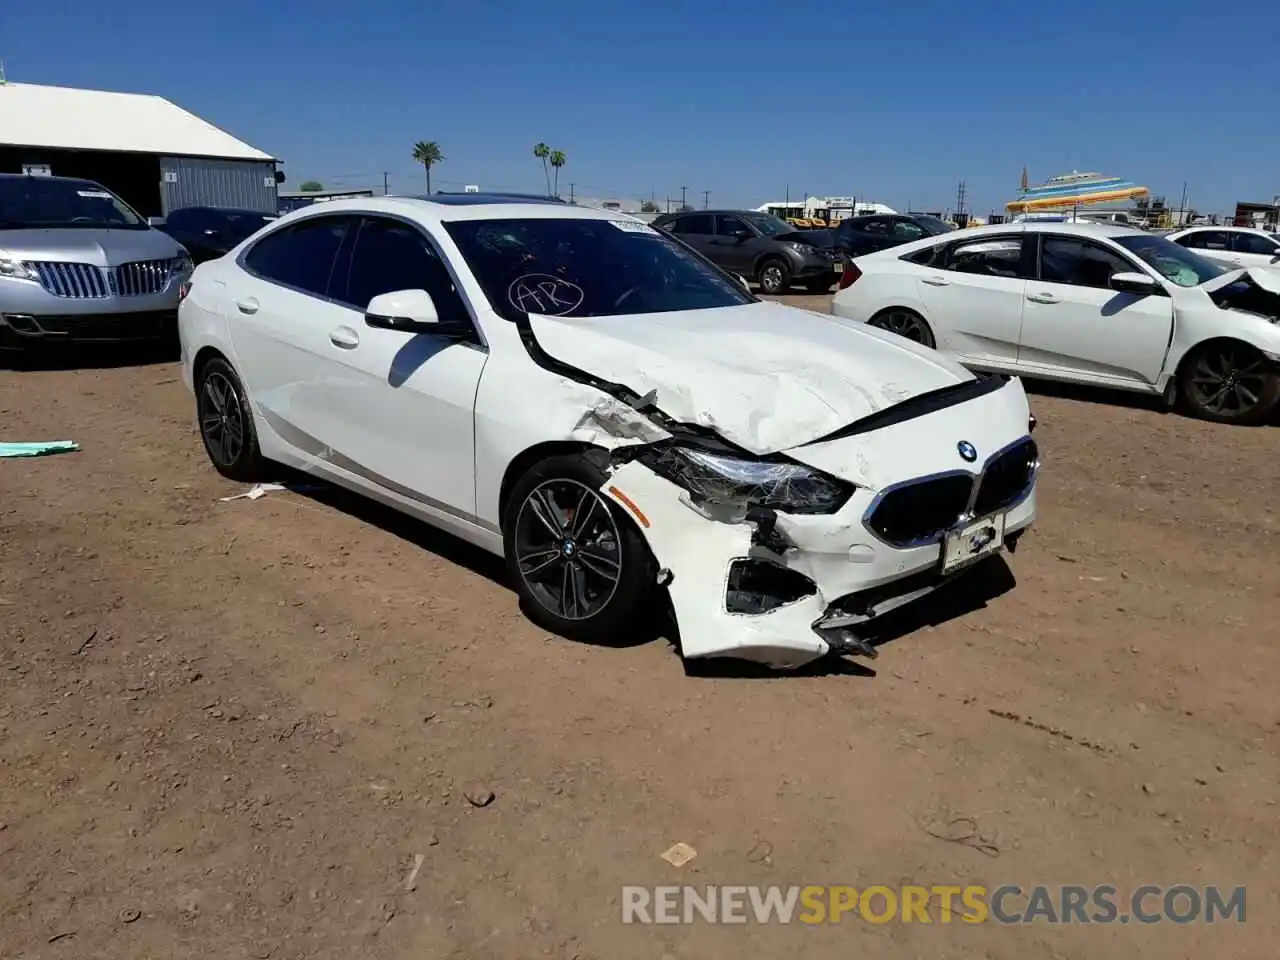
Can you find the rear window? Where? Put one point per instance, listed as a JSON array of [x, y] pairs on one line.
[[586, 267]]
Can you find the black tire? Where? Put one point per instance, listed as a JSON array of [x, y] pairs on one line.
[[773, 275], [905, 323], [562, 538], [1226, 381], [222, 409], [818, 286]]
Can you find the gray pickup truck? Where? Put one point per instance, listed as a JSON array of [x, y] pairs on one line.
[[77, 264]]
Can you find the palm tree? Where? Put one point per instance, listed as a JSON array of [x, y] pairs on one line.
[[428, 153], [542, 152], [557, 160]]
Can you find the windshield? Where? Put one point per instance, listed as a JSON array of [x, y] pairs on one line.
[[934, 226], [768, 224], [588, 268], [1176, 264], [32, 202]]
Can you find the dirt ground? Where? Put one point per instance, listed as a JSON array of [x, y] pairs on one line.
[[230, 729]]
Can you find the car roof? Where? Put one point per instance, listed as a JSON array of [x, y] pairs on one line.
[[1228, 229], [723, 211], [430, 209], [477, 199], [29, 176]]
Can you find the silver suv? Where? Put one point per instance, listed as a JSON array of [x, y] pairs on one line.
[[77, 264]]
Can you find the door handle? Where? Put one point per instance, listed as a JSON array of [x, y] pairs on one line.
[[937, 281], [248, 305], [1042, 298], [344, 338]]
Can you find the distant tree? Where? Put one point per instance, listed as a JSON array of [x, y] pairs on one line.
[[557, 160], [428, 153], [543, 152], [310, 186], [648, 206]]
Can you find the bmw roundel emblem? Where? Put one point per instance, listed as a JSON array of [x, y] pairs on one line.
[[968, 452]]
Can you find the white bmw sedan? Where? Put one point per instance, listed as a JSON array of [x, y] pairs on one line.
[[1100, 305], [587, 396]]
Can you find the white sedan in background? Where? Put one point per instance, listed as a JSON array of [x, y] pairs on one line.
[[592, 399], [1233, 247], [1108, 306]]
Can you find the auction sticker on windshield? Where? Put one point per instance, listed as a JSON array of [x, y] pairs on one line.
[[972, 542]]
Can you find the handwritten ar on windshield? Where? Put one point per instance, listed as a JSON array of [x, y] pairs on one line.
[[544, 294]]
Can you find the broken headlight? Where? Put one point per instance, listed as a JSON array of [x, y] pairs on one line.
[[718, 478]]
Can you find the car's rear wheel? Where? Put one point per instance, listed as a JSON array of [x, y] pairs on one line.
[[226, 423], [1227, 381], [774, 276], [580, 566], [905, 323]]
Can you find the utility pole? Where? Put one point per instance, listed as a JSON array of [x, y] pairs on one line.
[[683, 203], [385, 174], [571, 193], [960, 216], [1182, 207], [706, 199], [668, 204]]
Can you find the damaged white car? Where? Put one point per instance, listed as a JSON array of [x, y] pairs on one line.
[[592, 399], [1092, 304]]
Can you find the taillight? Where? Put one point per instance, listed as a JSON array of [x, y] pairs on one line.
[[849, 276]]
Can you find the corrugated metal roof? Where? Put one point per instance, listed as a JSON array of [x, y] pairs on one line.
[[32, 115]]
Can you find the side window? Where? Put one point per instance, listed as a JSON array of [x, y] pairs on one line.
[[1253, 243], [906, 231], [1206, 240], [699, 223], [877, 228], [300, 255], [185, 220], [923, 257], [392, 255], [728, 226], [989, 257], [1079, 263]]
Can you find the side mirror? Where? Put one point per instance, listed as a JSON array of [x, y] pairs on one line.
[[741, 235], [411, 311], [1135, 283]]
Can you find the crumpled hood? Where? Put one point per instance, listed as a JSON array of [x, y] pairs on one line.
[[102, 248], [1267, 279], [765, 376]]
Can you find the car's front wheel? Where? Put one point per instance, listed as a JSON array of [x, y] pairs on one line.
[[226, 424], [905, 323], [1227, 381], [580, 567], [774, 276]]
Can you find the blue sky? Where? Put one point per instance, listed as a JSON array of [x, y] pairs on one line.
[[896, 102]]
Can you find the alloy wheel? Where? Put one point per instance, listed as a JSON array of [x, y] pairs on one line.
[[906, 325], [771, 278], [568, 549], [221, 419], [1228, 381]]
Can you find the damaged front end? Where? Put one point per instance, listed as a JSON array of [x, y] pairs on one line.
[[1251, 291], [779, 558]]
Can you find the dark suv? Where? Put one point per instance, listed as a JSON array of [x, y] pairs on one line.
[[862, 235], [757, 246], [210, 232]]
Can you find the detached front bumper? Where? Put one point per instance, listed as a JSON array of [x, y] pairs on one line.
[[935, 494], [831, 576]]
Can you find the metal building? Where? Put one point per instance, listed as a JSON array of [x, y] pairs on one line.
[[155, 155]]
